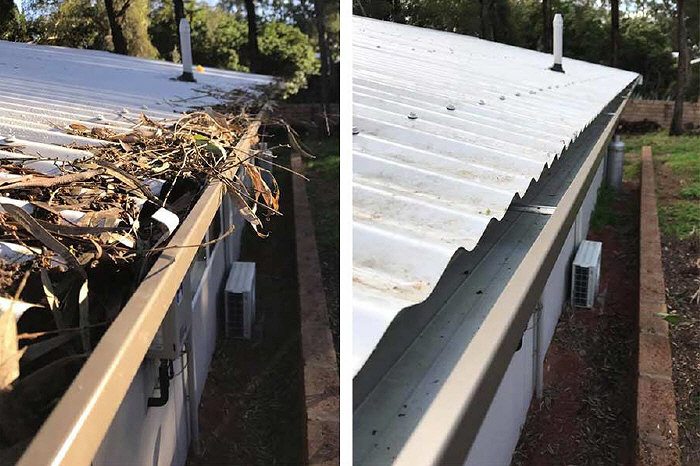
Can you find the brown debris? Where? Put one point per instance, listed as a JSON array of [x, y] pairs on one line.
[[101, 220]]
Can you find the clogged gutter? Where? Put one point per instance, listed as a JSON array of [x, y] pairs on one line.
[[77, 237]]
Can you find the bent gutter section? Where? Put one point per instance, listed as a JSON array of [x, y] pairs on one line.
[[74, 431], [450, 425]]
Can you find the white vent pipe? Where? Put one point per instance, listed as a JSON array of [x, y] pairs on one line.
[[558, 42], [186, 51]]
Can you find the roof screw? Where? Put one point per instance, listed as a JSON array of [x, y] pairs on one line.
[[125, 110], [144, 106], [10, 138], [100, 117], [412, 116], [533, 92], [502, 97], [481, 102], [450, 107], [517, 94], [355, 130]]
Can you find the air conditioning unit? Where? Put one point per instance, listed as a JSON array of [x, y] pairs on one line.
[[239, 306], [585, 274], [171, 335]]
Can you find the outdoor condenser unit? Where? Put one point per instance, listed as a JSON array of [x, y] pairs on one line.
[[585, 274], [239, 306]]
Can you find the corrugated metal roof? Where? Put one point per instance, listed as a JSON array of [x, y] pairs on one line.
[[451, 128], [44, 88]]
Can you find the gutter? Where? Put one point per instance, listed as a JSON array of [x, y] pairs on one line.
[[74, 431], [449, 426]]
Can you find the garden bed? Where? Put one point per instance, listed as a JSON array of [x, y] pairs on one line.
[[677, 167]]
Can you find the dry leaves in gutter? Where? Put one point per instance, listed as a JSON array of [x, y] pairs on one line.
[[79, 227]]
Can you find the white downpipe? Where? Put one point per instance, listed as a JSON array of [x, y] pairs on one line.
[[558, 43], [186, 51]]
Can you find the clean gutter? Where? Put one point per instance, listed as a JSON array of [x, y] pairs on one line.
[[449, 426], [76, 427]]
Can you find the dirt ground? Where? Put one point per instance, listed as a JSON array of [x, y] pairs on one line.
[[681, 261], [586, 414], [252, 408]]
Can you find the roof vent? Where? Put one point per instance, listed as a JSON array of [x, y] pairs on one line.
[[558, 43], [186, 52]]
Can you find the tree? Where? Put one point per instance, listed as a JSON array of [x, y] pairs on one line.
[[682, 37], [547, 27], [285, 51], [253, 49], [179, 10], [320, 14], [114, 16], [614, 31]]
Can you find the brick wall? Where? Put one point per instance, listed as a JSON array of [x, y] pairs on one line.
[[660, 111]]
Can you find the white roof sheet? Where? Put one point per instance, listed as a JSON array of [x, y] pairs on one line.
[[428, 184], [42, 87]]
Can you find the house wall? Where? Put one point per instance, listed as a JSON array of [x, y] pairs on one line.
[[160, 436], [500, 431]]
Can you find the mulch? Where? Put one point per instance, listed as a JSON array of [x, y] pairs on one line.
[[681, 261]]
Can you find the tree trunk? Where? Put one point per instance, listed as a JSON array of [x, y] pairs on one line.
[[118, 39], [614, 31], [179, 9], [547, 28], [252, 34], [319, 13], [485, 16], [677, 120]]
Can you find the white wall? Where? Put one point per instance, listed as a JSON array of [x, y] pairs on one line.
[[160, 436], [499, 432]]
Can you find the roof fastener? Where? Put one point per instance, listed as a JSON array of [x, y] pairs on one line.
[[450, 107], [517, 94], [481, 102], [355, 130], [502, 97], [10, 138], [100, 117], [412, 116]]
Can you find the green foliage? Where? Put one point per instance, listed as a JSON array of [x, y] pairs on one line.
[[586, 31], [679, 213], [324, 172], [691, 192], [162, 29], [287, 52], [135, 25], [671, 318], [679, 218], [75, 23], [603, 215], [12, 25], [631, 170], [646, 48], [220, 40], [217, 38]]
